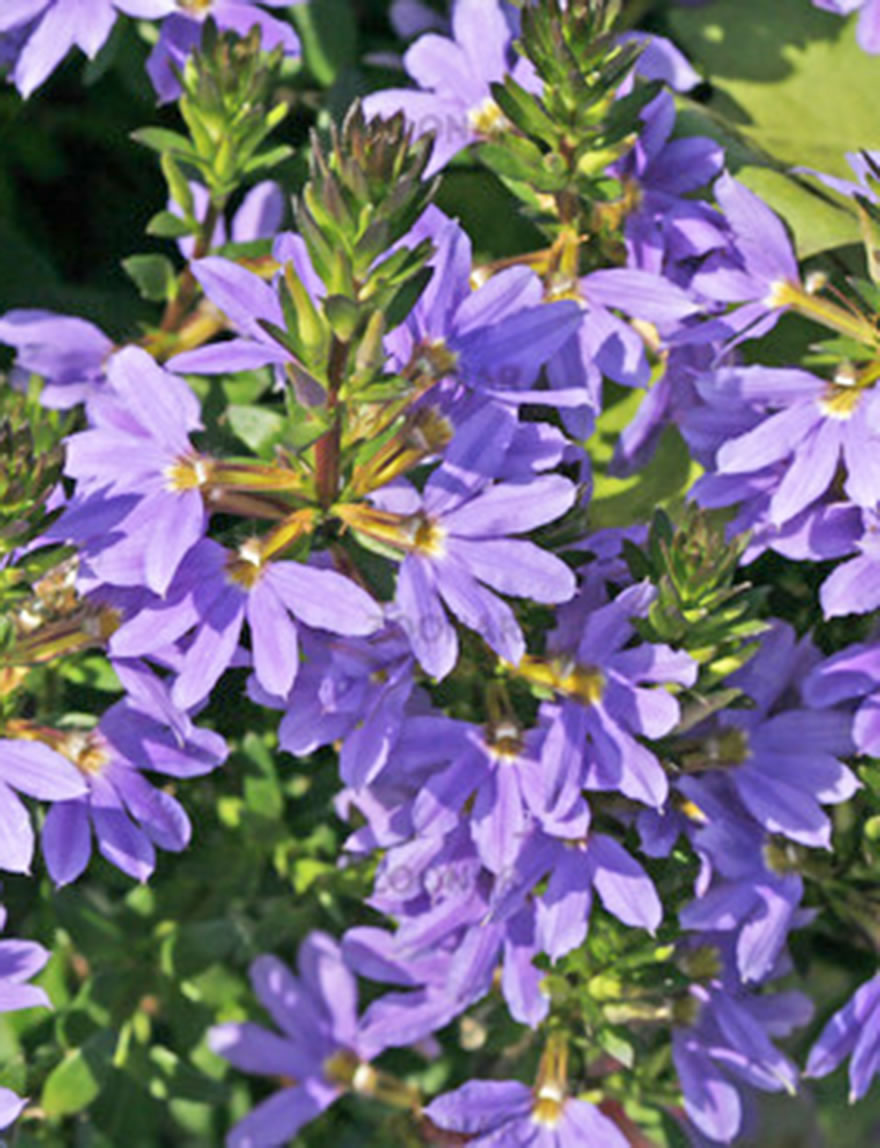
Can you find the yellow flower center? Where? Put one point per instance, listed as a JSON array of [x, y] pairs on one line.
[[504, 741], [86, 751], [245, 567], [434, 359], [188, 473], [487, 118], [548, 1106], [839, 400], [429, 538], [584, 683]]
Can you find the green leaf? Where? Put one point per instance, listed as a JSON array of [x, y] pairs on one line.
[[258, 428], [524, 110], [617, 1046], [521, 160], [153, 275], [266, 159], [167, 225], [195, 947], [173, 1077], [771, 67], [77, 1080], [163, 140], [406, 297], [328, 32], [178, 185], [93, 671]]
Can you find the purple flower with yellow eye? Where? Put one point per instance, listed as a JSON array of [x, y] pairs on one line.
[[606, 702], [757, 269], [212, 594], [506, 1112], [455, 76], [455, 537], [127, 815], [136, 463], [322, 1046], [807, 429], [493, 339]]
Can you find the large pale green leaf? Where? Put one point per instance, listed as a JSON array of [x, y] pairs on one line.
[[790, 87], [791, 77]]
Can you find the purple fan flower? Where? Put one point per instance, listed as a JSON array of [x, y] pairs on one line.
[[754, 271], [495, 338], [853, 1031], [854, 587], [661, 60], [182, 32], [19, 961], [212, 594], [575, 866], [497, 774], [851, 673], [868, 28], [127, 815], [441, 894], [455, 76], [605, 706], [351, 690], [138, 448], [455, 535], [410, 18], [505, 1112], [727, 1046], [782, 759], [53, 27], [665, 230], [606, 345], [738, 895], [322, 1045], [863, 165], [34, 769], [809, 424], [247, 301], [69, 354]]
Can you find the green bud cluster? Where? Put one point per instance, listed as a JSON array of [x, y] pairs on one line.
[[699, 607], [555, 160], [227, 105]]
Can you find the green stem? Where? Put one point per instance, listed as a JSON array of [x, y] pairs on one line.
[[328, 447], [177, 308]]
